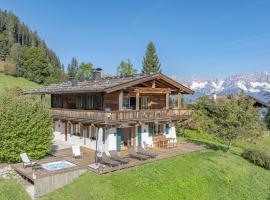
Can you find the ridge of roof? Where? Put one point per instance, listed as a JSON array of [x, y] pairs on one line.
[[104, 84]]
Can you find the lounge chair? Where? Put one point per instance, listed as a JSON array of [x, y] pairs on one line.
[[107, 161], [26, 161], [141, 150], [147, 145], [133, 154], [114, 155], [76, 152]]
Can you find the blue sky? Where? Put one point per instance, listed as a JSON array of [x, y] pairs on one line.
[[204, 38]]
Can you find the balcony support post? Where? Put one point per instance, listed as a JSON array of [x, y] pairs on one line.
[[65, 130], [134, 135], [167, 100], [121, 100], [137, 101], [179, 99]]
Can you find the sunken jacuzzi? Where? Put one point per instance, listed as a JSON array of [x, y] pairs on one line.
[[62, 164]]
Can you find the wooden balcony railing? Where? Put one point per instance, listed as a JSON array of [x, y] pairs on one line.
[[120, 116]]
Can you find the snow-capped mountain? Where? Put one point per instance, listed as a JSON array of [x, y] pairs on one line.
[[255, 84]]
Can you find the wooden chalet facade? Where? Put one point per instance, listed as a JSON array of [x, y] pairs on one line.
[[131, 110]]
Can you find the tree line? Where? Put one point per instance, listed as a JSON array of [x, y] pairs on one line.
[[23, 53], [150, 64]]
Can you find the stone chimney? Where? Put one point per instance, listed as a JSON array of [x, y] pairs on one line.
[[97, 74], [73, 81]]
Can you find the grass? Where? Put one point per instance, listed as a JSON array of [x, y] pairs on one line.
[[202, 175], [10, 190], [7, 81], [260, 144]]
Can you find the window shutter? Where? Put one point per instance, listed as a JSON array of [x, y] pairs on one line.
[[167, 129], [150, 130], [140, 136]]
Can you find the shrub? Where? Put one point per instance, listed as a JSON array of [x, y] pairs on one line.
[[257, 157], [25, 126]]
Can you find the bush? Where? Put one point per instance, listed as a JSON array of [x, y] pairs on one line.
[[257, 157], [25, 126]]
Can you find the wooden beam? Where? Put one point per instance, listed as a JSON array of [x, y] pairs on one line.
[[154, 84], [132, 83], [167, 100], [134, 135], [145, 90], [121, 100], [179, 99], [137, 101], [65, 130]]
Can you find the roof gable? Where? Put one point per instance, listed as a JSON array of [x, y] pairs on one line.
[[157, 76]]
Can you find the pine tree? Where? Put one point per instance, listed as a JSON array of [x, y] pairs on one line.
[[72, 68], [126, 68], [85, 71], [150, 61]]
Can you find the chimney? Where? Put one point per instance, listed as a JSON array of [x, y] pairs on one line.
[[97, 74], [73, 81]]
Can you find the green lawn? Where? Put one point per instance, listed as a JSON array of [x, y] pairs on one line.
[[202, 175], [10, 190], [11, 81], [261, 144]]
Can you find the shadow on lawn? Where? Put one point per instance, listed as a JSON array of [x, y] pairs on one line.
[[208, 144]]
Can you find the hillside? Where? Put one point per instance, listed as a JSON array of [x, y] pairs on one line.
[[23, 53], [7, 81]]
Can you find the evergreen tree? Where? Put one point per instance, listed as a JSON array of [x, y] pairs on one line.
[[150, 60], [126, 68], [72, 68], [16, 40], [85, 71], [35, 65]]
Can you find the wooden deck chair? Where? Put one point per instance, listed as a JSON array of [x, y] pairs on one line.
[[26, 161], [76, 151]]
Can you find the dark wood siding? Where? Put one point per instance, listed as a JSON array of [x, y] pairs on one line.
[[111, 100]]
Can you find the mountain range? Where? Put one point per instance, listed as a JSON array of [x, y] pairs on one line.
[[255, 84]]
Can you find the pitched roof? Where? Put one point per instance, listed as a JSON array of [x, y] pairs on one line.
[[258, 102], [108, 85]]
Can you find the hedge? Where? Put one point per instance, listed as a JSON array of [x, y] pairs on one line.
[[257, 157], [25, 126]]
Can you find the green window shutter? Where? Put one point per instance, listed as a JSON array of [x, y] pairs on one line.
[[118, 139], [167, 129], [150, 130], [140, 136]]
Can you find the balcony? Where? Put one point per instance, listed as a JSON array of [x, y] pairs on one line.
[[125, 116]]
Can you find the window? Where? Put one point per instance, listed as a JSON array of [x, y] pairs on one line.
[[57, 101], [96, 102], [85, 102], [158, 129], [93, 134], [145, 102], [126, 102], [79, 102]]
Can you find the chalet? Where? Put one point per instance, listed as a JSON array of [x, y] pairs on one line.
[[132, 110]]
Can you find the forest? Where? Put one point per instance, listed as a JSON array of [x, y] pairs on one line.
[[24, 54]]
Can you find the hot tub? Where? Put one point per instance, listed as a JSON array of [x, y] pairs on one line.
[[62, 164]]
